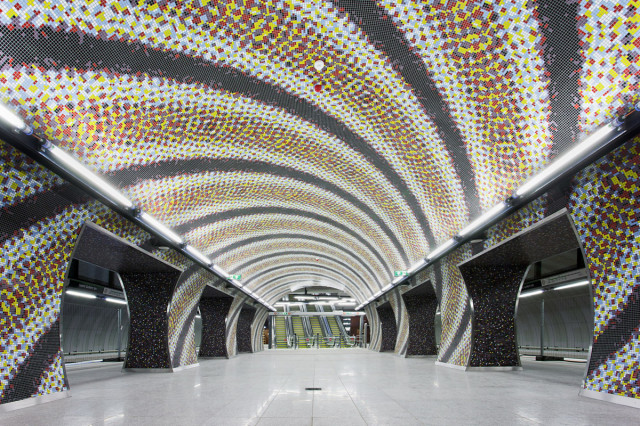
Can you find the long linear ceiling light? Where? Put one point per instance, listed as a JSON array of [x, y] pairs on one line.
[[16, 132], [594, 146]]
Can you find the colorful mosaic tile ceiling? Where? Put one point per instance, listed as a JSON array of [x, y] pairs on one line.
[[217, 118]]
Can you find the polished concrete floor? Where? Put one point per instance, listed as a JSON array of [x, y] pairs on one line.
[[358, 387]]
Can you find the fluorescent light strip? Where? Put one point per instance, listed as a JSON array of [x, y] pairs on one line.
[[87, 176], [441, 249], [198, 255], [569, 157], [160, 228], [220, 271], [11, 118], [417, 266], [576, 284], [112, 300], [483, 219], [530, 293], [81, 293], [389, 286]]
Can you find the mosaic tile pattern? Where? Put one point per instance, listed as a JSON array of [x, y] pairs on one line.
[[388, 328], [257, 325], [182, 313], [375, 341], [245, 319], [493, 291], [603, 206], [214, 312], [422, 312], [455, 343], [400, 311], [425, 116], [148, 297], [231, 332]]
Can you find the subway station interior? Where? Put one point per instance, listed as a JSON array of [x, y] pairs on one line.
[[382, 212]]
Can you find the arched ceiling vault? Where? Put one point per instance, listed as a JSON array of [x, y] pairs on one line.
[[213, 117]]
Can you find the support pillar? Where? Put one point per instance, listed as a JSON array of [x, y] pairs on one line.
[[148, 296]]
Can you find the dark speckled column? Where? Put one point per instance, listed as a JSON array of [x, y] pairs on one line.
[[493, 290], [389, 328], [148, 296], [214, 311], [244, 329], [422, 332]]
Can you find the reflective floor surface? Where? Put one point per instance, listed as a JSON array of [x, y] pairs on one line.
[[357, 387]]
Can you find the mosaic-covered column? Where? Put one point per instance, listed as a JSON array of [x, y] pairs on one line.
[[493, 290], [421, 309], [214, 311], [389, 329], [232, 325], [259, 318], [148, 297], [375, 330], [182, 314], [402, 322], [243, 333], [604, 208]]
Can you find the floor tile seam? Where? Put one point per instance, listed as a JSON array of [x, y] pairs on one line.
[[353, 402]]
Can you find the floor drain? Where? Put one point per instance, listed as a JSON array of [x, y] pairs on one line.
[[312, 389]]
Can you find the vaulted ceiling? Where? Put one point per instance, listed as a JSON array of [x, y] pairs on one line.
[[212, 116]]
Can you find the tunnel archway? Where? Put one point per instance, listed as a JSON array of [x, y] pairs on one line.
[[494, 279], [148, 284]]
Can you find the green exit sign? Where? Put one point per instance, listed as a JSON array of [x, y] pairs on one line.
[[400, 273], [235, 277]]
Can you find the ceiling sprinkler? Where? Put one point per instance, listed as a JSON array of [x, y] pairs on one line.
[[318, 65]]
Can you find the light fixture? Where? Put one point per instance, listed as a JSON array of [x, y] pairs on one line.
[[220, 271], [484, 218], [571, 285], [304, 297], [328, 298], [569, 158], [11, 119], [236, 283], [389, 286], [530, 293], [378, 294], [417, 266], [197, 254], [396, 280], [112, 300], [80, 293], [441, 249], [160, 228], [88, 177]]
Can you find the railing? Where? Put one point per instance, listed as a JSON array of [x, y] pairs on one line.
[[578, 353], [71, 357], [342, 341]]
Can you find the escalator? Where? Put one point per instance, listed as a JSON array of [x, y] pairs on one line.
[[281, 333], [317, 331], [298, 329]]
